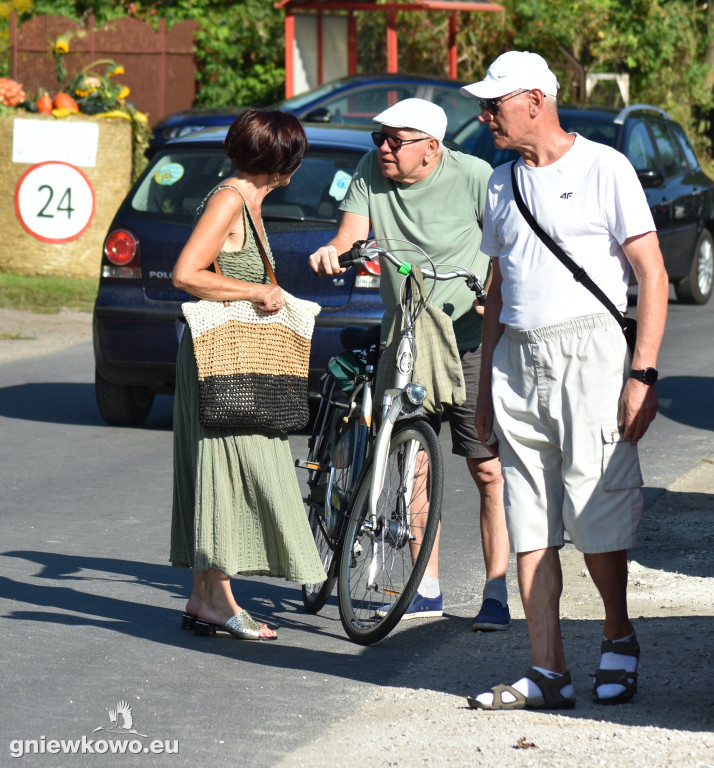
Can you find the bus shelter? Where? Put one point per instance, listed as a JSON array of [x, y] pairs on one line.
[[321, 35]]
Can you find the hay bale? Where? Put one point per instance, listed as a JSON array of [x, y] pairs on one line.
[[22, 252]]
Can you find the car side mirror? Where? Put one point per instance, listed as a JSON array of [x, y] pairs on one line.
[[320, 115], [650, 178]]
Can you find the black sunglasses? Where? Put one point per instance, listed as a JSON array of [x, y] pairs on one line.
[[394, 142], [492, 105]]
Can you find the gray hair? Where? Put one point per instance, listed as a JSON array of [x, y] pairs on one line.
[[428, 135]]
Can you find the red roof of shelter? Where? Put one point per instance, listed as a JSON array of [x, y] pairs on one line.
[[413, 5]]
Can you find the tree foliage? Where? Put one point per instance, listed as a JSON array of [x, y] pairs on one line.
[[239, 47], [240, 53], [666, 47]]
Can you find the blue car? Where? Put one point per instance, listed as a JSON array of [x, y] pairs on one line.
[[137, 315], [353, 100]]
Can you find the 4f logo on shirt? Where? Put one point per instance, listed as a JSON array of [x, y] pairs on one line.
[[566, 195]]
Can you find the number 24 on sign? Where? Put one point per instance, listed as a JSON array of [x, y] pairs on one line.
[[54, 202]]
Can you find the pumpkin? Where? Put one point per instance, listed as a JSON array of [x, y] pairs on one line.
[[65, 101], [44, 104]]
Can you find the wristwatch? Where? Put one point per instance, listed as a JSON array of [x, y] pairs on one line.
[[646, 375]]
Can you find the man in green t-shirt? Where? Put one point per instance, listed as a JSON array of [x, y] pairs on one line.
[[414, 188]]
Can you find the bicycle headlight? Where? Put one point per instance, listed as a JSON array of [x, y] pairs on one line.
[[416, 393]]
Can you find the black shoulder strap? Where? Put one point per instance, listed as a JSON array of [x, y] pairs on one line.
[[579, 274]]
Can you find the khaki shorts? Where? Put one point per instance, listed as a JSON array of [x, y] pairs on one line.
[[566, 464]]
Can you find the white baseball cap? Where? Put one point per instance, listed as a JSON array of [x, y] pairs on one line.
[[417, 114], [513, 70]]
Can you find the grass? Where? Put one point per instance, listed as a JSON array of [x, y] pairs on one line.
[[46, 294]]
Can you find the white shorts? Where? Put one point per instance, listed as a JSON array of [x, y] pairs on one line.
[[566, 464]]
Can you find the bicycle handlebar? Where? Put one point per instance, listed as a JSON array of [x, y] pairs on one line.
[[367, 250]]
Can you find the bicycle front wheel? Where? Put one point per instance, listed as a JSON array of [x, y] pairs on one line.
[[383, 558]]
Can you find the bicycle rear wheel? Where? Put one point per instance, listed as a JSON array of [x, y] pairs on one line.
[[315, 596], [334, 457], [382, 564]]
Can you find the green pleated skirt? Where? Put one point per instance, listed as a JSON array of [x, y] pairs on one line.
[[236, 502]]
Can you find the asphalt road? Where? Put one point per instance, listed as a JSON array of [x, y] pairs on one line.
[[89, 606]]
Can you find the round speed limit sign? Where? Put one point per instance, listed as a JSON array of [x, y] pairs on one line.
[[54, 202]]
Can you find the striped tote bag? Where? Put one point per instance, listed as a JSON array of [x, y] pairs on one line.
[[252, 365]]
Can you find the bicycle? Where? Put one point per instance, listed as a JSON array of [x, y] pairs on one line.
[[337, 449], [375, 500]]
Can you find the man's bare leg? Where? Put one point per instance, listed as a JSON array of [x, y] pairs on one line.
[[609, 574], [540, 580], [494, 543], [494, 534]]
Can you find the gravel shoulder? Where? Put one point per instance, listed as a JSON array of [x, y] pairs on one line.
[[426, 721], [27, 334], [669, 722]]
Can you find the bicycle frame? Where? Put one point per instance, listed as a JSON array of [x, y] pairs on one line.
[[359, 403], [358, 450], [405, 398]]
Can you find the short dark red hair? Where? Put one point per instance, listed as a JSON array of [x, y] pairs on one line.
[[266, 141]]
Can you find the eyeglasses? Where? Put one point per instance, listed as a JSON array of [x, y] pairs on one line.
[[394, 142], [492, 105]]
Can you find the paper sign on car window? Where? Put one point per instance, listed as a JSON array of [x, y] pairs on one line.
[[340, 182], [168, 174]]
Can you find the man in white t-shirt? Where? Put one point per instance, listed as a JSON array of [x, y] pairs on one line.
[[565, 397]]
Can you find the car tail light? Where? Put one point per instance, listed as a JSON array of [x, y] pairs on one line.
[[121, 250], [367, 275]]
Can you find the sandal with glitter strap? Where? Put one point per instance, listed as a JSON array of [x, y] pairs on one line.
[[242, 626], [628, 680], [550, 688]]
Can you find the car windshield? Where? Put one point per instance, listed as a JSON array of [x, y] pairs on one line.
[[179, 179]]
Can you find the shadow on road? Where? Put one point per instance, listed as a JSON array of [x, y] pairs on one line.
[[68, 403], [443, 655], [687, 400], [680, 399]]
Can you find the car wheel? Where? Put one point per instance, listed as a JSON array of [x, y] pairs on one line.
[[120, 405], [696, 287]]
